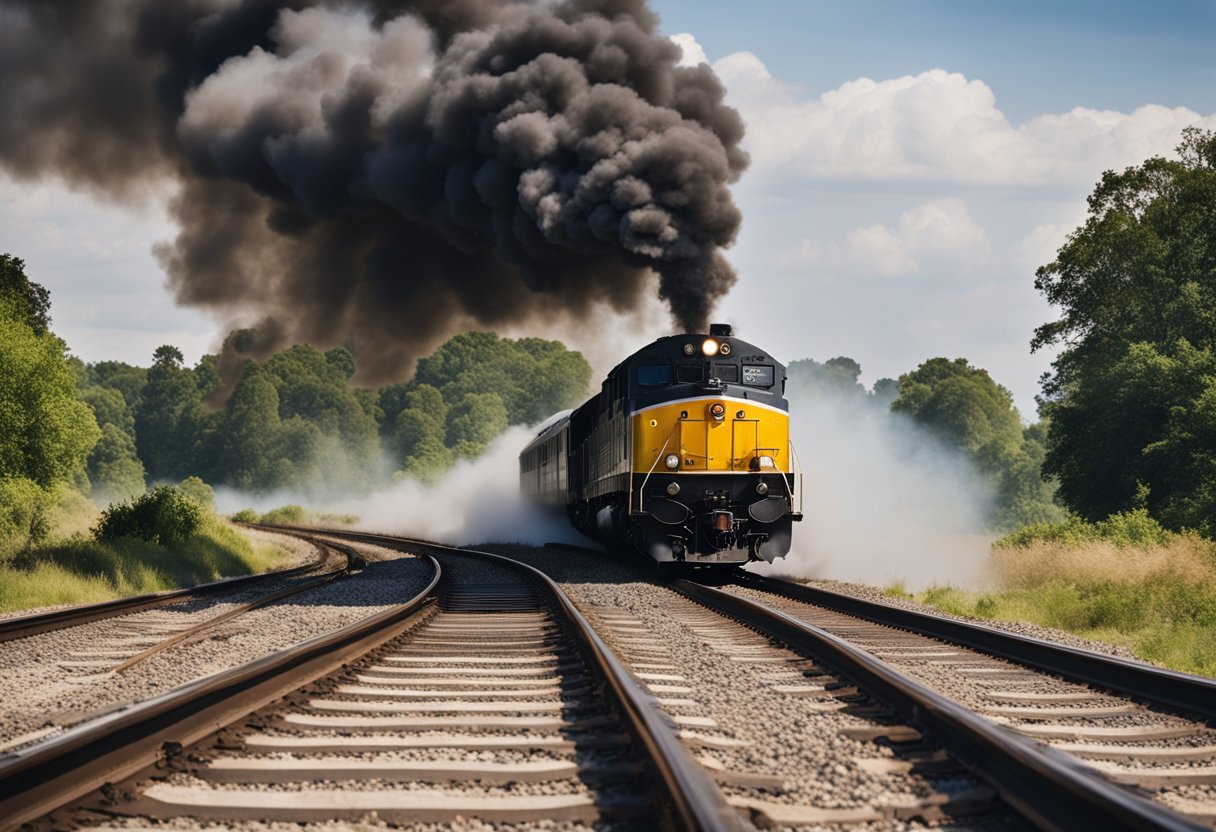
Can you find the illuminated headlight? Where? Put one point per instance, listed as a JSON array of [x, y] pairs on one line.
[[673, 488], [709, 346], [718, 411], [672, 461]]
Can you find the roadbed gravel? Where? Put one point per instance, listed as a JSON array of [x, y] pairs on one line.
[[871, 593], [729, 683], [39, 697]]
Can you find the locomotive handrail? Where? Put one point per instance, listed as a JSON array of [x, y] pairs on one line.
[[798, 477], [646, 479]]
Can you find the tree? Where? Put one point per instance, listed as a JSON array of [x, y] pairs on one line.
[[114, 468], [27, 301], [838, 380], [46, 431], [127, 379], [473, 422], [1136, 289], [110, 408], [167, 420], [966, 409], [534, 378]]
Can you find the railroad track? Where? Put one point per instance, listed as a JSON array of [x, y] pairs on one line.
[[133, 639], [45, 622], [495, 662], [493, 696], [1027, 765], [1065, 736]]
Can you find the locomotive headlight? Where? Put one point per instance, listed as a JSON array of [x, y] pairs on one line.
[[761, 488], [724, 349], [709, 346], [689, 349], [673, 488], [672, 461], [718, 411]]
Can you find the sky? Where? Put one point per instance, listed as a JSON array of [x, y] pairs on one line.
[[912, 164]]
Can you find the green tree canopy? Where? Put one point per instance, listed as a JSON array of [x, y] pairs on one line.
[[473, 422], [46, 431], [966, 409], [838, 378], [114, 468], [534, 378], [1136, 290], [24, 299], [169, 417]]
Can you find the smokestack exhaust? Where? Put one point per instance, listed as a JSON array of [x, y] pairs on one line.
[[389, 171]]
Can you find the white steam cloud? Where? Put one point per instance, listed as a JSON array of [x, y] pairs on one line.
[[884, 501]]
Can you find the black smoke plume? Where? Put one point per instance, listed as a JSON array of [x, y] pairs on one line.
[[388, 171]]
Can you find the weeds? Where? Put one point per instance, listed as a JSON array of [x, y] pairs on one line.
[[1125, 581]]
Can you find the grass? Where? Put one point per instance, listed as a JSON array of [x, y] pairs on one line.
[[79, 570], [1122, 582], [292, 515]]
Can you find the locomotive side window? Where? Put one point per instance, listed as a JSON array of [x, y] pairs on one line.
[[758, 375], [728, 373], [690, 373], [654, 375]]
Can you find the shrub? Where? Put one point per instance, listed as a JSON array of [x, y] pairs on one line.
[[164, 515], [24, 520], [245, 515], [1127, 529], [284, 516], [199, 491]]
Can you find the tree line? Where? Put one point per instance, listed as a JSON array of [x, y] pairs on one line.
[[291, 422]]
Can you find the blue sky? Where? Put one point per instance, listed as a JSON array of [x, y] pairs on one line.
[[1037, 55], [912, 164]]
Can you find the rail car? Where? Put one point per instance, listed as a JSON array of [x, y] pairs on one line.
[[684, 455]]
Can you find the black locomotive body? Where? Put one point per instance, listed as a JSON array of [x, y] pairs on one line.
[[683, 456]]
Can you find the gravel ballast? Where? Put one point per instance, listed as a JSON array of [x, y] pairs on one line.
[[41, 695], [724, 681]]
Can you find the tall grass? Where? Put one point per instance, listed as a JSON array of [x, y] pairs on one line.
[[82, 570], [1124, 581]]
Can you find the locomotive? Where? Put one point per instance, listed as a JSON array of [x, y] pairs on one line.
[[683, 456]]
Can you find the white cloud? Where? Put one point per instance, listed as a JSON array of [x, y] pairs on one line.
[[1039, 247], [937, 236], [693, 53], [935, 126]]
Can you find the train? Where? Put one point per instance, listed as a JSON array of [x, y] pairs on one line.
[[684, 456]]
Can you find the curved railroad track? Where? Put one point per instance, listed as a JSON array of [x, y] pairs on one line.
[[493, 659], [136, 639], [24, 626], [507, 693]]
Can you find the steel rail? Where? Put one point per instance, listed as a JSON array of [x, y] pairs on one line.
[[41, 778], [1191, 694], [354, 562], [44, 622], [1049, 788], [696, 800]]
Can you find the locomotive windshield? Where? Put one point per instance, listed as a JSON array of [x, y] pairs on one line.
[[654, 375], [690, 373]]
